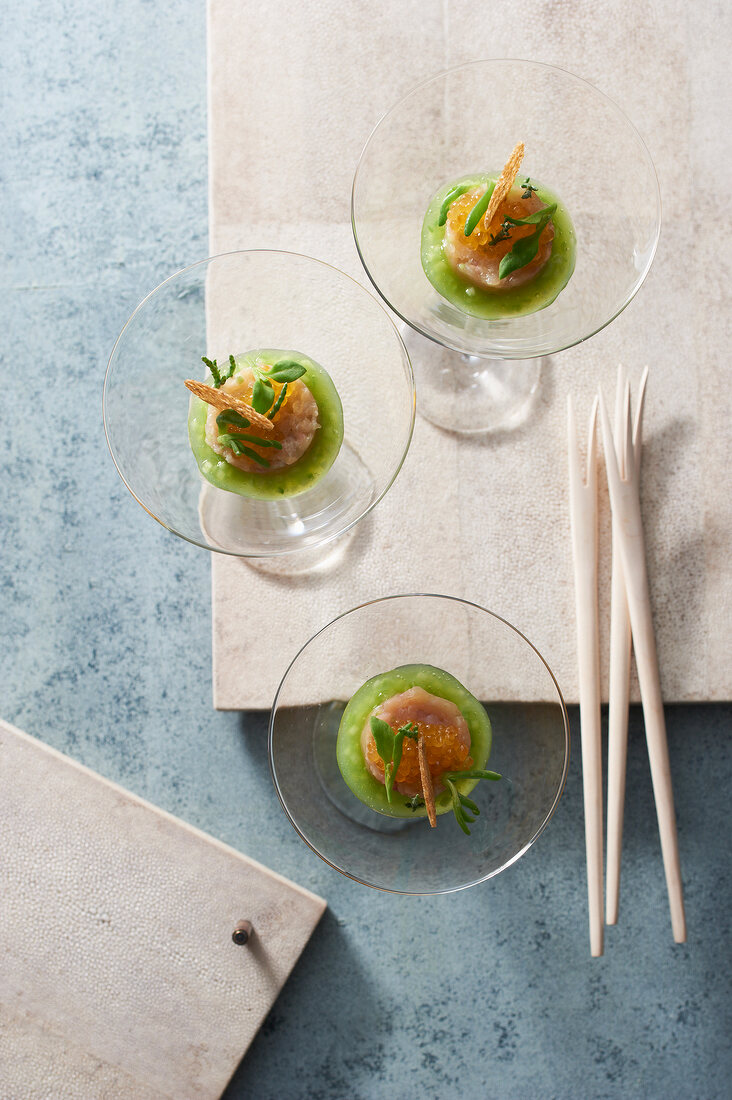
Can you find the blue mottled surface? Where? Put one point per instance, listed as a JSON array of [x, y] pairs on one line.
[[105, 653]]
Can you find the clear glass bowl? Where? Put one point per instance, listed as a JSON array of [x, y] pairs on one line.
[[579, 144], [492, 660], [235, 303]]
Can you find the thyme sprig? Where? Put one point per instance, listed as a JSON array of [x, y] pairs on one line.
[[503, 234], [528, 189], [389, 747]]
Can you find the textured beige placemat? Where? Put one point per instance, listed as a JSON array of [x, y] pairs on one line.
[[294, 92], [118, 975]]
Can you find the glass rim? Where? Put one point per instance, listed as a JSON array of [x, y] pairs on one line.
[[557, 796], [445, 341], [264, 252]]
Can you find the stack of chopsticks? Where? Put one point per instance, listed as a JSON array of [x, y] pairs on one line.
[[631, 625]]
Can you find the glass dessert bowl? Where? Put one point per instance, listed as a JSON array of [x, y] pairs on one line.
[[410, 677], [478, 365], [259, 404]]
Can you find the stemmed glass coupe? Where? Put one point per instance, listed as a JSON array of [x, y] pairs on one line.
[[475, 374], [530, 749], [231, 304]]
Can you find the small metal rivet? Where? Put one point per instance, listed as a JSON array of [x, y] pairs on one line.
[[242, 932]]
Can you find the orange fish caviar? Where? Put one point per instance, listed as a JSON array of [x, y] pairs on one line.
[[445, 752], [514, 207]]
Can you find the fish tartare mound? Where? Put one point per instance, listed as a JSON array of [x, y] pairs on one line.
[[294, 426], [476, 259], [438, 721], [266, 425]]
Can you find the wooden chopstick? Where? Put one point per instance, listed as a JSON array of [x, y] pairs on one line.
[[620, 651], [625, 504], [583, 514]]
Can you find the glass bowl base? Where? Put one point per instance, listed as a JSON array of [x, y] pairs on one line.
[[467, 393], [296, 528]]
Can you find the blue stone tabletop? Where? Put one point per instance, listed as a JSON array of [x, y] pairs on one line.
[[106, 655]]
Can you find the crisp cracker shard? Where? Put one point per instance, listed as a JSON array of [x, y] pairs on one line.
[[222, 401], [504, 183], [428, 792]]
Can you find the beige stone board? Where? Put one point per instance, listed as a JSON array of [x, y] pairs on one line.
[[118, 975], [282, 159]]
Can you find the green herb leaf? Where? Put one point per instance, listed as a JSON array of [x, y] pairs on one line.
[[234, 442], [245, 437], [460, 801], [384, 738], [478, 210], [457, 805], [276, 407], [525, 248], [470, 804], [231, 418], [219, 376], [414, 803], [287, 370], [214, 368], [449, 199], [476, 773], [536, 218], [262, 395]]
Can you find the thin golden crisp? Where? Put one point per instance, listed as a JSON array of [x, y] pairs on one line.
[[504, 183], [428, 792], [221, 400]]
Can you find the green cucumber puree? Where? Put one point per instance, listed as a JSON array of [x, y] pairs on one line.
[[290, 480], [380, 688], [529, 298]]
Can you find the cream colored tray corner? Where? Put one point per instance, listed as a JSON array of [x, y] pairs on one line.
[[118, 975]]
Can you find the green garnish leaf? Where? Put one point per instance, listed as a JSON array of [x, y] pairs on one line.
[[262, 395], [245, 437], [287, 370], [384, 739], [214, 368], [414, 803], [525, 248], [457, 805], [239, 448], [536, 218], [276, 407], [478, 210], [231, 418], [476, 773], [460, 801], [449, 199], [528, 190], [389, 747], [470, 805], [218, 375]]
